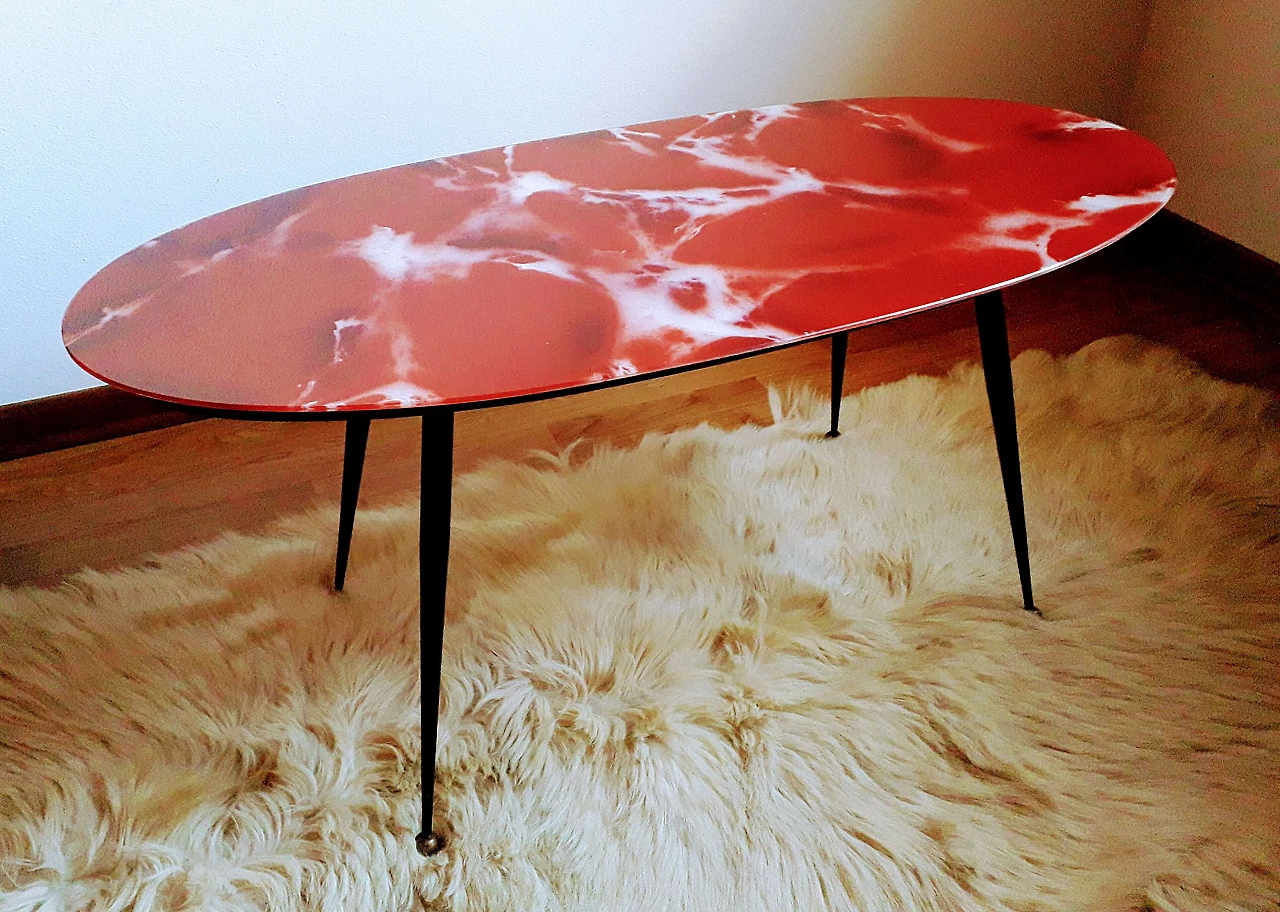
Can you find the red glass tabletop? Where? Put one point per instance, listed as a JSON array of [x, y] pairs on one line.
[[575, 261]]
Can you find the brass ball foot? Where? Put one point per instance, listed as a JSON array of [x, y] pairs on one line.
[[429, 844]]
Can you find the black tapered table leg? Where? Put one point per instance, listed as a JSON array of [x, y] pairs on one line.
[[993, 336], [433, 572], [839, 348], [352, 469]]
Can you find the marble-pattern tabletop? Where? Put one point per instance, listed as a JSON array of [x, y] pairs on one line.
[[574, 261]]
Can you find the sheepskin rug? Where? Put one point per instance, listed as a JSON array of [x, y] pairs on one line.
[[748, 670]]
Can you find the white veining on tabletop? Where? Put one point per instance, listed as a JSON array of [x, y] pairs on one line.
[[649, 284]]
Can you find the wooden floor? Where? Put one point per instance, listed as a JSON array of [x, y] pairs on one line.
[[108, 504]]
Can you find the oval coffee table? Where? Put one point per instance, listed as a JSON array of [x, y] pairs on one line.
[[567, 264]]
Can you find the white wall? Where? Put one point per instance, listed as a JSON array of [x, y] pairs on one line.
[[122, 119], [1208, 92]]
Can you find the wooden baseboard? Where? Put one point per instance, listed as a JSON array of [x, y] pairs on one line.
[[1169, 242], [1176, 243], [84, 416]]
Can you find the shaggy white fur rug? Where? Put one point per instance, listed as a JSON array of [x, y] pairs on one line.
[[757, 670]]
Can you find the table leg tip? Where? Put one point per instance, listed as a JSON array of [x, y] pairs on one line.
[[832, 435], [429, 844]]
